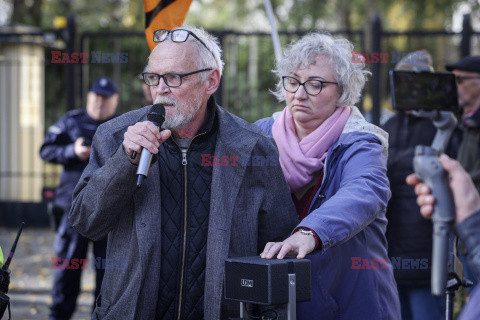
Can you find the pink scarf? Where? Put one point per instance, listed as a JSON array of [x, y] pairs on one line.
[[300, 160]]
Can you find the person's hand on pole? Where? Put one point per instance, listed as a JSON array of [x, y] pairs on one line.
[[465, 195]]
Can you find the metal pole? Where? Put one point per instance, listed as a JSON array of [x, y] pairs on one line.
[[292, 297], [466, 36], [276, 41], [376, 44], [242, 309], [449, 304], [70, 74]]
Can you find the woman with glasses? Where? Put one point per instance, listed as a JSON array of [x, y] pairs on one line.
[[334, 162]]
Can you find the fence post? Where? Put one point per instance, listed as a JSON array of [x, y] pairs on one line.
[[84, 70], [70, 74], [466, 36], [376, 47], [219, 93]]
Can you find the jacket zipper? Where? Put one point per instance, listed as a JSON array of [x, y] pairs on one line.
[[184, 249], [184, 246]]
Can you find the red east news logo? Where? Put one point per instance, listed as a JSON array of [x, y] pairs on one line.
[[359, 263], [83, 57], [209, 160], [59, 263], [374, 57], [97, 263], [63, 57]]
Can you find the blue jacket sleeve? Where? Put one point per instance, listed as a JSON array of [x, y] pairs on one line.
[[58, 146], [266, 125], [361, 195], [469, 231]]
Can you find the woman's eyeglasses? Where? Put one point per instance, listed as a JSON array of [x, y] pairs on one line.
[[312, 87]]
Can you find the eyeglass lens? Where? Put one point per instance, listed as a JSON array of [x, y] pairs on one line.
[[178, 35], [171, 80], [312, 87]]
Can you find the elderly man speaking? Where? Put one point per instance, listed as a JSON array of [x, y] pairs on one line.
[[174, 233]]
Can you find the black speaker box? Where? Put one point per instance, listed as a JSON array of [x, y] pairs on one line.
[[261, 281]]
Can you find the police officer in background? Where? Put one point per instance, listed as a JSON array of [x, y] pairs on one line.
[[68, 142]]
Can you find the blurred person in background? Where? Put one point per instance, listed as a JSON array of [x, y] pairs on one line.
[[409, 235], [467, 220], [467, 73], [334, 162], [68, 142]]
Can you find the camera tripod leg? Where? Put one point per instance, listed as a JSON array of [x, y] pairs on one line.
[[449, 304]]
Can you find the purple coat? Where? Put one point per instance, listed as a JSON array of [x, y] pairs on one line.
[[352, 277]]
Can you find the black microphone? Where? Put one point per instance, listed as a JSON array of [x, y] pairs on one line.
[[157, 116]]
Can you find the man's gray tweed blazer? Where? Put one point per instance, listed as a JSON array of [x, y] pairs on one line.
[[250, 205]]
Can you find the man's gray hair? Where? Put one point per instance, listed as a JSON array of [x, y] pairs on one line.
[[207, 60], [351, 77]]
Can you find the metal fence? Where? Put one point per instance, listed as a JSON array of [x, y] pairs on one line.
[[249, 59], [444, 46]]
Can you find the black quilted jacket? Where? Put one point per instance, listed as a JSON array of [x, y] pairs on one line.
[[185, 187]]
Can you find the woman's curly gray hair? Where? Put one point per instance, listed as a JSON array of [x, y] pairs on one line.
[[351, 77]]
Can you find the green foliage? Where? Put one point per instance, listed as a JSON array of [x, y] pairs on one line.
[[249, 60], [292, 15], [246, 15]]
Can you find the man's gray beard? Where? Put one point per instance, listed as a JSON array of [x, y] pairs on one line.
[[180, 120]]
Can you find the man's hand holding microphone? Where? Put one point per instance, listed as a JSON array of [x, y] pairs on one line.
[[142, 140]]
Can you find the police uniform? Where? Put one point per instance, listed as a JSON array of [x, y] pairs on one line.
[[59, 147]]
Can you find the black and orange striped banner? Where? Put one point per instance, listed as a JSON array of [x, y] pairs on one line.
[[163, 14]]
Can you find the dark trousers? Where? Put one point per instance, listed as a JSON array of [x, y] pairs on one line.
[[69, 245], [418, 303]]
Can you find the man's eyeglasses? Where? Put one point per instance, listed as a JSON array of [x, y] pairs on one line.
[[177, 35], [172, 80], [461, 79], [312, 87]]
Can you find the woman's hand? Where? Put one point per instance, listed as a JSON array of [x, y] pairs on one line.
[[297, 243]]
